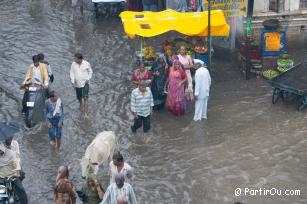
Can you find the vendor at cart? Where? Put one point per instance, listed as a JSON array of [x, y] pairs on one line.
[[201, 50], [141, 74]]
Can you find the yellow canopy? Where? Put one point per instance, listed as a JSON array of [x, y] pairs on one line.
[[149, 24]]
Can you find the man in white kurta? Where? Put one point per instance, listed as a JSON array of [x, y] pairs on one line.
[[202, 89]]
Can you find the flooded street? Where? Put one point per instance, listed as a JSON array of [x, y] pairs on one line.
[[246, 143]]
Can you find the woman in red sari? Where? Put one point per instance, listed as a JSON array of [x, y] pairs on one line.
[[175, 101], [141, 74]]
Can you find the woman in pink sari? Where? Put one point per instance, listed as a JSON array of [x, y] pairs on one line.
[[187, 63], [175, 97]]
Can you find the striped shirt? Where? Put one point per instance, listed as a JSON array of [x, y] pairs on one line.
[[113, 192], [141, 104]]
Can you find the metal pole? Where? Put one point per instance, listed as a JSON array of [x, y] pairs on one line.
[[142, 51], [250, 8], [209, 34]]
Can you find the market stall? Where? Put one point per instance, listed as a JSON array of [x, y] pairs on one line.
[[193, 24], [267, 54]]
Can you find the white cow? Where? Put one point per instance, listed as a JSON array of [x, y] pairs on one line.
[[100, 149]]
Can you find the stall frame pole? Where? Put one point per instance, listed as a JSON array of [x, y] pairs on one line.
[[209, 35], [250, 8]]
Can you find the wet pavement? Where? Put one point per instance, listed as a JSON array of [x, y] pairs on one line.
[[247, 141]]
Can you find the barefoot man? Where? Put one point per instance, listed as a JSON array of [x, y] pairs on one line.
[[80, 75], [141, 108], [55, 117]]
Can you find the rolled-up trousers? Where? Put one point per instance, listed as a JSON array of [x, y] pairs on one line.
[[141, 120], [201, 108]]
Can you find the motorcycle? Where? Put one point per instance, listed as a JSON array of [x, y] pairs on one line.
[[35, 103], [7, 191]]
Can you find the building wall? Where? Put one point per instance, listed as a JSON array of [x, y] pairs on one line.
[[292, 5], [262, 6]]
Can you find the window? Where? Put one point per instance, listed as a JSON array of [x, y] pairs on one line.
[[303, 3], [273, 5]]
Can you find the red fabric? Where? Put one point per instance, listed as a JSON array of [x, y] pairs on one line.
[[182, 73], [139, 76]]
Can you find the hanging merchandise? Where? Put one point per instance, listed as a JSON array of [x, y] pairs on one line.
[[177, 5], [193, 6]]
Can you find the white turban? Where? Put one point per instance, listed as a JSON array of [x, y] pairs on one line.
[[198, 61]]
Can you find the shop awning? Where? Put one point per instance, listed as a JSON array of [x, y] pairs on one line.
[[149, 24]]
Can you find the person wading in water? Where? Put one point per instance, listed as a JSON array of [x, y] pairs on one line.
[[63, 190], [80, 75]]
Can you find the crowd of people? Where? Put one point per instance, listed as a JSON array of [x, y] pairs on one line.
[[168, 84], [119, 191], [171, 86]]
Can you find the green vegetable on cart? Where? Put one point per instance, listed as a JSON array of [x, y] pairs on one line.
[[269, 74], [285, 62], [282, 69]]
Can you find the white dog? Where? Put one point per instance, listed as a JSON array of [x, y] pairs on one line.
[[100, 149]]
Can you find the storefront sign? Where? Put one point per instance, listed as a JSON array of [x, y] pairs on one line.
[[230, 7], [249, 26], [272, 41]]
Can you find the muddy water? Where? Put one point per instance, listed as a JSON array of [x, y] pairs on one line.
[[247, 141]]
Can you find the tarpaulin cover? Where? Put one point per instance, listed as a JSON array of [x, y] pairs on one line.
[[149, 24]]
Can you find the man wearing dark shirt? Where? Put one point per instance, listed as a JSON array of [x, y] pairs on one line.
[[149, 5]]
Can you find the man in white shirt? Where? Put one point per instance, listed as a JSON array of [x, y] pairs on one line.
[[80, 75], [10, 159], [14, 146], [7, 162], [202, 88], [117, 165]]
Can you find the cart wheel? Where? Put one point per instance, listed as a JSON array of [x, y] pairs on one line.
[[276, 95], [283, 95], [96, 9], [242, 68]]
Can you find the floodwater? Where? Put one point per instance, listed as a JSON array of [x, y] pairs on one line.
[[246, 143]]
